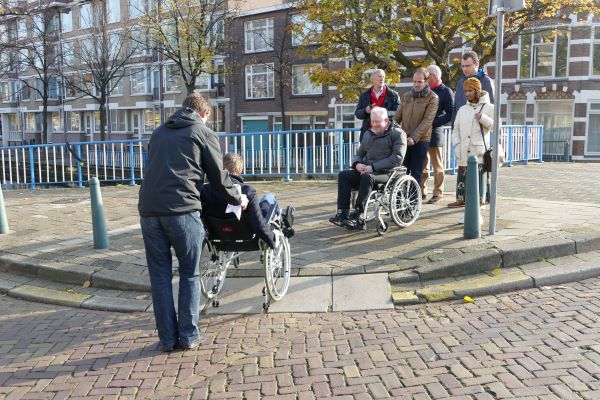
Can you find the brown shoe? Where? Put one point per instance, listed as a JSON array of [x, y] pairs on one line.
[[435, 200], [457, 204]]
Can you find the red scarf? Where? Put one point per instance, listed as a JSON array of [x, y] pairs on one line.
[[378, 102], [438, 83]]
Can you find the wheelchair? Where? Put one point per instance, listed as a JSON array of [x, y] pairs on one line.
[[400, 197], [227, 239]]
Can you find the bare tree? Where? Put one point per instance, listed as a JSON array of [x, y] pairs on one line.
[[95, 64], [189, 33]]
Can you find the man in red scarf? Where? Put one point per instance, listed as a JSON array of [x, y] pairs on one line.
[[379, 95]]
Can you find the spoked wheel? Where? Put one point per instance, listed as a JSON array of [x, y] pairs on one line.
[[405, 202], [212, 271], [277, 268]]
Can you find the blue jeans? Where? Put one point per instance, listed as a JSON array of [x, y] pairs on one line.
[[184, 233]]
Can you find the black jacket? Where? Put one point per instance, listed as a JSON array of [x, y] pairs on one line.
[[180, 153], [391, 103], [382, 152], [443, 114], [214, 204]]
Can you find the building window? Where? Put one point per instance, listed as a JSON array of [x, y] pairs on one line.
[[172, 74], [38, 24], [73, 121], [544, 54], [67, 20], [596, 51], [137, 8], [301, 83], [86, 16], [5, 91], [516, 112], [259, 35], [138, 42], [118, 120], [56, 122], [68, 51], [25, 92], [557, 119], [593, 134], [21, 28], [116, 86], [33, 122], [113, 12], [302, 29], [203, 82], [260, 82], [151, 120], [140, 81]]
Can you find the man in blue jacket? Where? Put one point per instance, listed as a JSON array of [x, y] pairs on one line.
[[434, 154], [180, 153], [470, 67], [378, 95]]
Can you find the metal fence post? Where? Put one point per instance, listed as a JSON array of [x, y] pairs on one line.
[[288, 176], [32, 166], [452, 161], [341, 151], [131, 165], [541, 143], [511, 149], [79, 169], [526, 146]]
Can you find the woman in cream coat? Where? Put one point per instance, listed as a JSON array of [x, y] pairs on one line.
[[467, 138]]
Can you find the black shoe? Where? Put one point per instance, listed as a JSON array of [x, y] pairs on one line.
[[355, 221], [338, 219], [288, 216], [165, 349]]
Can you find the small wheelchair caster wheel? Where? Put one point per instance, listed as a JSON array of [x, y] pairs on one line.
[[382, 228], [215, 303]]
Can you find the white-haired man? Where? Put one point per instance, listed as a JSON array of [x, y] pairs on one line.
[[382, 148], [378, 95], [436, 143]]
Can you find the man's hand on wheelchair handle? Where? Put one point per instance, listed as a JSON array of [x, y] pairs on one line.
[[244, 203]]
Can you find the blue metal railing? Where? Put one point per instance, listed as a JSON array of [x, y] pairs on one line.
[[280, 153]]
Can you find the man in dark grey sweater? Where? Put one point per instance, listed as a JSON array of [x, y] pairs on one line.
[[180, 153]]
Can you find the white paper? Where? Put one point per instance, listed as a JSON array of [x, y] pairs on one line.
[[237, 210]]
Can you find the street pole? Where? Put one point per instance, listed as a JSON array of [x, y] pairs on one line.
[[497, 104]]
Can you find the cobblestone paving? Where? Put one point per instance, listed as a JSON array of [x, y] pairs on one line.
[[534, 344]]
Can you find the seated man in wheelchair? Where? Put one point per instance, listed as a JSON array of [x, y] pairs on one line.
[[258, 213], [382, 148]]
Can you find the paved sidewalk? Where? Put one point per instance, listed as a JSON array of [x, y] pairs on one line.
[[545, 210]]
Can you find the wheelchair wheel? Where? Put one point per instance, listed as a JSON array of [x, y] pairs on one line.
[[212, 271], [405, 201], [382, 228], [278, 268]]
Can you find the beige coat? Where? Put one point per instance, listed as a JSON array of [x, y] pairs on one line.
[[415, 115], [466, 136]]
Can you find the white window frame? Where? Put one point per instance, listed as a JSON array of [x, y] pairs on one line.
[[533, 55], [270, 79], [298, 35], [174, 77], [66, 15], [86, 21], [511, 104], [113, 14], [589, 113], [318, 90], [251, 31], [135, 70]]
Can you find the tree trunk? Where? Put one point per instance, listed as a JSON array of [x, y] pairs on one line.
[[102, 111], [44, 138]]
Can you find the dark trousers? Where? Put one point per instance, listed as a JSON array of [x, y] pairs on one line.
[[413, 161], [351, 179], [484, 184]]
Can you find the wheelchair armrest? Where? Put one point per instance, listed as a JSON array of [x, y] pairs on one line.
[[400, 168]]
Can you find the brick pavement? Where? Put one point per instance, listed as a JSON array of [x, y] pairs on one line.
[[533, 344]]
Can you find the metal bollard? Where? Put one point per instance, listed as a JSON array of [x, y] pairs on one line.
[[98, 219], [472, 228], [3, 218]]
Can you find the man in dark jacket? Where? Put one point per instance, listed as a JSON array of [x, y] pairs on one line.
[[436, 143], [470, 67], [180, 153], [215, 205], [379, 95], [383, 147]]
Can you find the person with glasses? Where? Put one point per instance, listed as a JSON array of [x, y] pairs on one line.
[[415, 116]]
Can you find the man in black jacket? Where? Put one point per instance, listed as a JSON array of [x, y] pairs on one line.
[[215, 205], [180, 153], [436, 144], [383, 147], [378, 95]]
